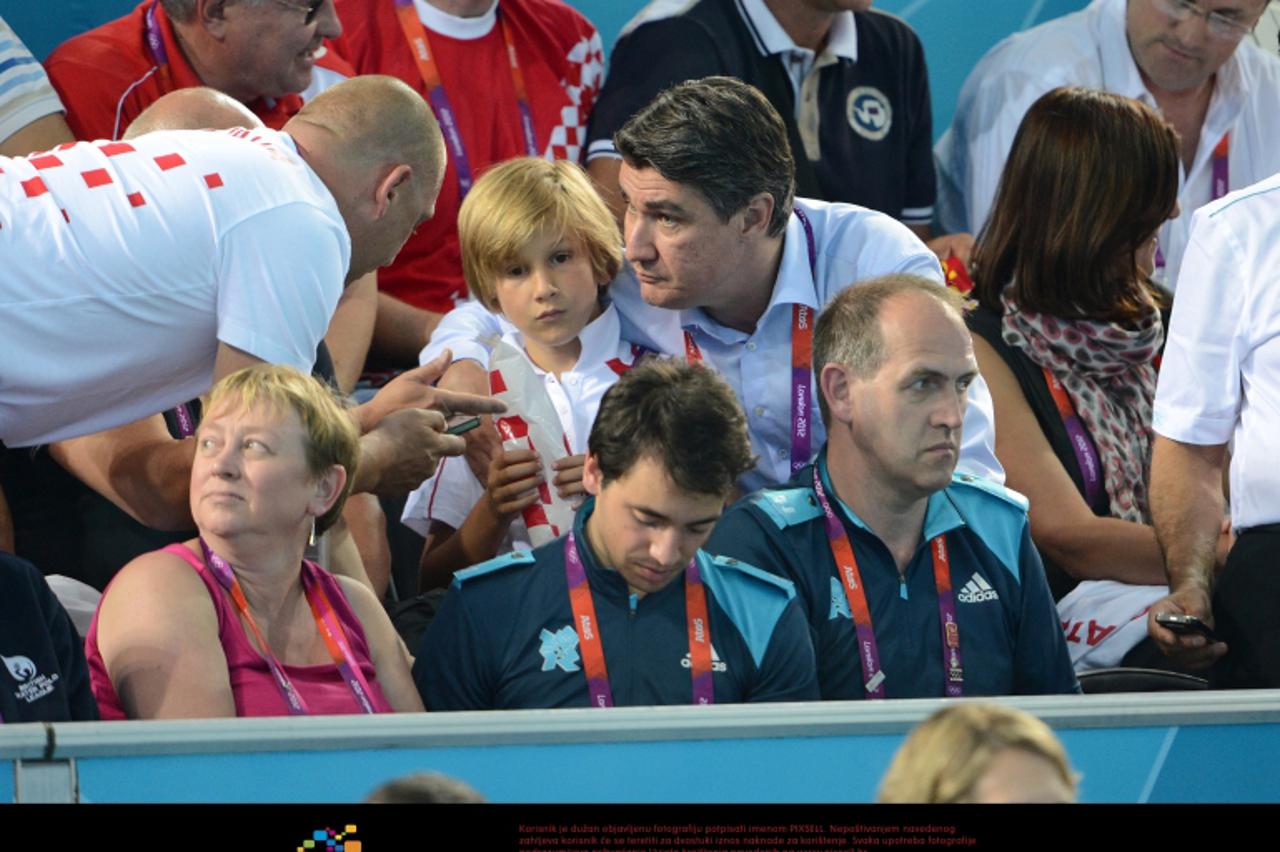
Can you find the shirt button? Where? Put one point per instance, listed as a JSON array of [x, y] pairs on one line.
[[759, 411], [751, 346], [782, 454]]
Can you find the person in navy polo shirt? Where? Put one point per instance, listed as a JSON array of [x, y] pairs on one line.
[[626, 609], [917, 582]]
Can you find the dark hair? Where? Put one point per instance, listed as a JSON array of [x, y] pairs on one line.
[[848, 329], [720, 136], [1090, 178], [686, 417]]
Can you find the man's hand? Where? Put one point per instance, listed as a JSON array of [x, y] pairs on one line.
[[402, 452], [1191, 650], [512, 482], [414, 389], [949, 245], [483, 443], [568, 478]]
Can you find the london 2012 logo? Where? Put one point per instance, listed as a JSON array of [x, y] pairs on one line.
[[332, 840]]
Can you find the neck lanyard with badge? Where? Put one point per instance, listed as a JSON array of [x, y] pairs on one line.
[[873, 676], [335, 638], [1220, 182], [802, 318], [416, 35], [587, 627]]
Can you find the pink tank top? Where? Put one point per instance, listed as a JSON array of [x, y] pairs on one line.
[[252, 684]]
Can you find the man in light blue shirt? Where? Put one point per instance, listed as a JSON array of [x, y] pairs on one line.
[[722, 257]]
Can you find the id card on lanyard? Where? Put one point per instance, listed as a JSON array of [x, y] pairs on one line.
[[1220, 182], [802, 319], [587, 626], [419, 45], [873, 675], [335, 638]]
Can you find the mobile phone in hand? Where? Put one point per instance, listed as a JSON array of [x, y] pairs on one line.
[[1186, 625], [461, 423]]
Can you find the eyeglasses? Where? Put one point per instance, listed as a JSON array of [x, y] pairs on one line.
[[311, 7], [1220, 26]]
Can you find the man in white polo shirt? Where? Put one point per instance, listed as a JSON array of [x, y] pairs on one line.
[[1190, 60], [1220, 383], [136, 273]]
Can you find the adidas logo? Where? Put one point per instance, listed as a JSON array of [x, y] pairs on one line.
[[976, 591]]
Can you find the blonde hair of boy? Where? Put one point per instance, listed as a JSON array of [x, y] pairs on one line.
[[513, 201]]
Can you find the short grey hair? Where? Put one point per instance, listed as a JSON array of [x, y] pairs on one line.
[[848, 329]]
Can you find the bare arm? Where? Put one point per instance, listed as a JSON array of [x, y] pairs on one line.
[[511, 484], [391, 660], [351, 330], [1063, 527], [401, 331], [158, 635], [603, 172], [1186, 506], [40, 135], [139, 467]]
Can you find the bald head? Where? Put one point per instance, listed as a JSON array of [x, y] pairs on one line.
[[376, 145], [375, 120], [196, 108]]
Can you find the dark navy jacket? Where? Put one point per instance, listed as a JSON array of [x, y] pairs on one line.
[[43, 675], [1010, 638], [504, 637]]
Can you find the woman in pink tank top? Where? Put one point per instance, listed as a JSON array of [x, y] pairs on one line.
[[236, 622]]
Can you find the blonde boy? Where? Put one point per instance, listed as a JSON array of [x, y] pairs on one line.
[[539, 248]]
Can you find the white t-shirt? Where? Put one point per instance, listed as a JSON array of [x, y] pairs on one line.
[[125, 263], [1090, 48], [450, 494], [1220, 377]]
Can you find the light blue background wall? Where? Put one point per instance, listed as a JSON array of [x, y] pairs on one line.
[[955, 32]]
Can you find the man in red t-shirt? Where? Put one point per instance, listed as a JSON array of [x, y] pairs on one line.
[[262, 54], [499, 109]]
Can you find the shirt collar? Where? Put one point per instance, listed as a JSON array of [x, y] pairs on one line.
[[1119, 72], [940, 514], [463, 29], [772, 39], [793, 286], [599, 339]]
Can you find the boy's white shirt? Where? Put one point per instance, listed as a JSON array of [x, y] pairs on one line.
[[453, 491]]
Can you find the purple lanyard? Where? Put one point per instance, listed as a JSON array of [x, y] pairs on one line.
[[802, 362], [1220, 183], [587, 626], [873, 676], [332, 633], [155, 41], [1085, 451], [416, 35]]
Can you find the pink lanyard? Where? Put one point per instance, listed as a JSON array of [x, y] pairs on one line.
[[335, 638], [588, 628], [802, 318], [416, 34], [1220, 181], [868, 652]]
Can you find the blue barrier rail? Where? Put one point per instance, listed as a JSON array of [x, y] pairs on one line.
[[1162, 747]]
